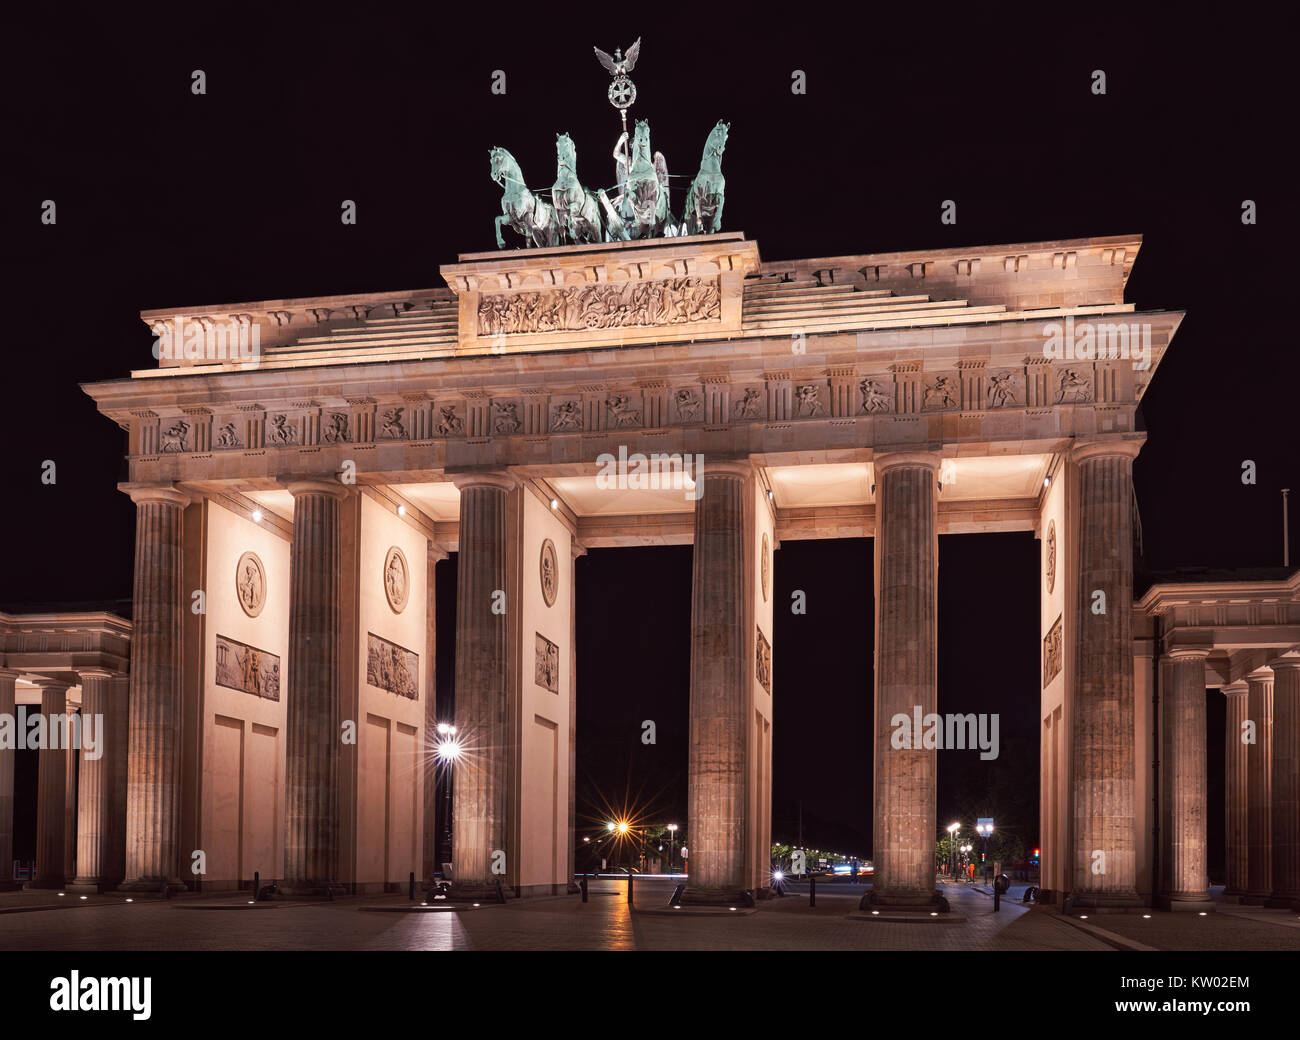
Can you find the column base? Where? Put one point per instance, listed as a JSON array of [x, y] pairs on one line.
[[1282, 901], [85, 886], [47, 883], [10, 886], [312, 889], [1255, 898], [1186, 904], [1232, 895], [479, 891], [923, 903], [1103, 902], [159, 885], [727, 897]]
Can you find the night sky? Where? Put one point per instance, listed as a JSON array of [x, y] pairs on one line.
[[169, 199]]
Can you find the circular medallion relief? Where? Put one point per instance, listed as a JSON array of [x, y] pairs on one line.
[[549, 568], [765, 566], [250, 584], [397, 579], [1051, 555]]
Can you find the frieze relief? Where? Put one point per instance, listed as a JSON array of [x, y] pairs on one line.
[[689, 403], [547, 671], [566, 417], [1052, 653], [715, 401], [621, 412], [876, 396], [245, 668], [281, 432], [763, 661], [393, 668], [601, 305], [392, 427]]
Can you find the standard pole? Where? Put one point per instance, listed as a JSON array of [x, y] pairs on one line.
[[1286, 536]]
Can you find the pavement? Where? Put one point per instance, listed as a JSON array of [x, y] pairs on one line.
[[33, 921]]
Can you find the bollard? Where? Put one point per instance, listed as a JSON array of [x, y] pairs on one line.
[[629, 887], [583, 885], [812, 889], [411, 888], [257, 885], [997, 900]]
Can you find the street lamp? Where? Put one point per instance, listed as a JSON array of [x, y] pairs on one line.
[[985, 829], [447, 751], [672, 838], [953, 828], [965, 852]]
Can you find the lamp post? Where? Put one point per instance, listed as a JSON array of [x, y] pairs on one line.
[[953, 828], [672, 840], [965, 852], [985, 829], [447, 750]]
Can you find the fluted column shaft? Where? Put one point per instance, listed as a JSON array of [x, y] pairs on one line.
[[153, 781], [51, 788], [429, 765], [314, 743], [720, 672], [94, 796], [70, 796], [480, 803], [1259, 786], [1236, 696], [1103, 751], [1286, 780], [1183, 767], [906, 622], [7, 680]]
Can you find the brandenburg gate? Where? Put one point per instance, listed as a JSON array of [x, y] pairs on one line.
[[294, 499]]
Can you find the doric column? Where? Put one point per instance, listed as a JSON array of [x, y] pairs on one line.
[[1259, 784], [116, 743], [716, 788], [94, 796], [311, 849], [7, 680], [906, 623], [153, 781], [70, 796], [429, 764], [1234, 761], [1103, 751], [480, 793], [1286, 781], [1183, 756], [575, 550], [51, 787]]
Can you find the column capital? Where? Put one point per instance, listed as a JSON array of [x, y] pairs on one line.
[[1290, 659], [44, 683], [893, 459], [576, 549], [436, 552], [1235, 689], [1085, 449], [485, 478], [741, 468], [1187, 653], [1259, 675], [95, 673], [299, 486], [166, 493], [9, 673]]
